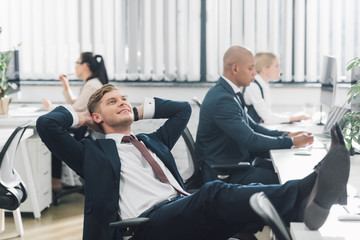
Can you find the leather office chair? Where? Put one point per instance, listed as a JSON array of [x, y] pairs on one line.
[[12, 188], [266, 210]]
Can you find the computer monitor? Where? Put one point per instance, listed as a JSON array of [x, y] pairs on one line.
[[13, 75], [355, 78], [328, 81]]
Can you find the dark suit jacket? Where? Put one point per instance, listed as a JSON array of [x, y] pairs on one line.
[[226, 134], [98, 163]]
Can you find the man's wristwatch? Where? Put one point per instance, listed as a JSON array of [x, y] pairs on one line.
[[285, 133], [136, 114]]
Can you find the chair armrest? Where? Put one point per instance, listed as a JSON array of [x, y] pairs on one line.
[[128, 226], [228, 168], [128, 223]]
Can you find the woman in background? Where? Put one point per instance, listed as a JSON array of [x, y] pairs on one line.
[[91, 69], [257, 95]]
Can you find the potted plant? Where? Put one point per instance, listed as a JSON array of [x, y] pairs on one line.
[[5, 58], [351, 130]]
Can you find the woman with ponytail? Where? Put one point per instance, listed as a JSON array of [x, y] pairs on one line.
[[91, 69]]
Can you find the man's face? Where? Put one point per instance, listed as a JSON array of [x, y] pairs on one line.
[[114, 110], [244, 71]]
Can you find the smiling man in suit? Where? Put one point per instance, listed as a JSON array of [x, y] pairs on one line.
[[227, 135], [129, 175]]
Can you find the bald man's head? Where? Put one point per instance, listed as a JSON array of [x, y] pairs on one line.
[[239, 65], [235, 55]]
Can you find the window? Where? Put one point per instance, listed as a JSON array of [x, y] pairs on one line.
[[152, 40]]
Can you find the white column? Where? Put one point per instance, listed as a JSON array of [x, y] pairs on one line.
[[158, 39], [311, 43], [72, 37], [146, 39], [299, 41], [349, 36], [84, 26], [336, 29], [287, 40], [26, 53], [224, 25], [194, 41], [274, 44], [97, 20], [38, 40], [261, 23], [170, 39], [237, 22], [108, 44], [249, 26], [132, 42], [119, 40], [182, 39], [212, 39], [324, 35]]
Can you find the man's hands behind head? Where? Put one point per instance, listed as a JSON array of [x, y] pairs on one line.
[[86, 120]]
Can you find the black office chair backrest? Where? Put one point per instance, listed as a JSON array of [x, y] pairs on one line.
[[194, 182], [12, 189], [266, 210]]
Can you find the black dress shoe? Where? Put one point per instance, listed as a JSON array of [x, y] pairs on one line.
[[336, 139], [330, 186], [336, 136]]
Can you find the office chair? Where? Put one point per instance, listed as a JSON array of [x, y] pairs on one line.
[[78, 133], [223, 170], [12, 188], [267, 212]]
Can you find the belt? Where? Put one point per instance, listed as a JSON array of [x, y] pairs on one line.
[[169, 200]]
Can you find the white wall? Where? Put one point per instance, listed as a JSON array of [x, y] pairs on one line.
[[285, 98]]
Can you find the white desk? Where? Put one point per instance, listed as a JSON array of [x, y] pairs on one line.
[[19, 114], [290, 166], [33, 161]]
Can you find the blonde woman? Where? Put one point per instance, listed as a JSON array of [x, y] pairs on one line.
[[257, 95]]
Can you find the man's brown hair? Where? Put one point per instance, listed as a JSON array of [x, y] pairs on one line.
[[97, 95]]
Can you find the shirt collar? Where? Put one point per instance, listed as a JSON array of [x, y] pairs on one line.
[[117, 137], [232, 85]]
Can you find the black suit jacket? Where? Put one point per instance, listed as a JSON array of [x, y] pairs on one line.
[[98, 163], [226, 134]]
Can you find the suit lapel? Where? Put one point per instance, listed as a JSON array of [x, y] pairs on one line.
[[109, 148], [229, 89]]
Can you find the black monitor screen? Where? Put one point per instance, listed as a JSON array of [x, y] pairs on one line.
[[13, 75], [328, 80]]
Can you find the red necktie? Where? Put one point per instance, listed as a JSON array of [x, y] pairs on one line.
[[154, 165]]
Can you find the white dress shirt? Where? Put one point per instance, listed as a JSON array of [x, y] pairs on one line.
[[262, 106]]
